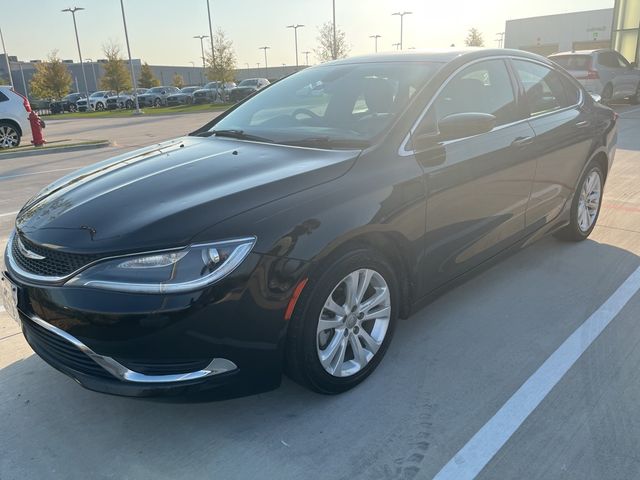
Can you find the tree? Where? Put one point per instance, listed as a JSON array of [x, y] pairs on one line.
[[222, 64], [326, 50], [116, 77], [51, 79], [177, 81], [474, 38], [147, 80]]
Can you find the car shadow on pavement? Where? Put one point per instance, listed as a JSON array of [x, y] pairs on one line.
[[447, 370]]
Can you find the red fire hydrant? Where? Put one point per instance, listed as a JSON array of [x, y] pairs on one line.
[[37, 125]]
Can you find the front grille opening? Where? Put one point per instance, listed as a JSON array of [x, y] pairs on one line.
[[55, 263]]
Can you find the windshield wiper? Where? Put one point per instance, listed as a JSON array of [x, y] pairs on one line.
[[329, 143], [232, 133]]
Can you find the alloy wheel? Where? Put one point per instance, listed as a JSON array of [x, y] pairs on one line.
[[353, 323], [589, 201], [9, 136], [99, 106]]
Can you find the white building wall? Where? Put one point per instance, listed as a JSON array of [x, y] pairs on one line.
[[561, 32]]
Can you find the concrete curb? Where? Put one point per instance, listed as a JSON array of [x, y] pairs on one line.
[[45, 151]]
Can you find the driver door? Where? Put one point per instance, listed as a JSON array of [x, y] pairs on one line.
[[477, 187]]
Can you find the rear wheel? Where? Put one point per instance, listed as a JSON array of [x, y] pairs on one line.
[[585, 207], [607, 94], [72, 107], [635, 99], [99, 106], [157, 102], [129, 104], [9, 135], [343, 323]]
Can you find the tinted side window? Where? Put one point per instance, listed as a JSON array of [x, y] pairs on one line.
[[544, 89], [609, 60], [484, 87], [3, 97]]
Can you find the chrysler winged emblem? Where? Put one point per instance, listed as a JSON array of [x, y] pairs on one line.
[[28, 253]]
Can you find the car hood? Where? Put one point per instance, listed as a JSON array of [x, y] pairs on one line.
[[162, 196]]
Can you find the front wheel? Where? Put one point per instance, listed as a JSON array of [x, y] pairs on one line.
[[635, 99], [157, 102], [99, 106], [607, 94], [585, 207], [343, 323], [129, 104]]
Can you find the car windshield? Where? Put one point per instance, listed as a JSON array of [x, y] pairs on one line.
[[333, 103], [189, 89], [573, 62], [211, 85], [156, 90], [97, 94], [249, 82]]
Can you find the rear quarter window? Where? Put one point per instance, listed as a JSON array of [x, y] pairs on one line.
[[3, 97]]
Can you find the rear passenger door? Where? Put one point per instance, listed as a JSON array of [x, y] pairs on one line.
[[563, 136]]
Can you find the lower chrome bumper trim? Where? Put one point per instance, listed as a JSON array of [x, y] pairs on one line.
[[120, 372]]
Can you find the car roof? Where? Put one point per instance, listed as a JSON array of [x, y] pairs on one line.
[[438, 56], [581, 52]]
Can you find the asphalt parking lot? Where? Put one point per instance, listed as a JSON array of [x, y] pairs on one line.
[[454, 379]]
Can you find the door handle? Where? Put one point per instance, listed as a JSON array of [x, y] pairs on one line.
[[583, 124], [522, 141]]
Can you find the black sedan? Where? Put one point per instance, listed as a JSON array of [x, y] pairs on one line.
[[291, 232], [66, 104]]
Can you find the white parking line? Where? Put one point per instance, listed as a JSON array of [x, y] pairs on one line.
[[38, 173], [630, 111], [9, 213], [476, 454]]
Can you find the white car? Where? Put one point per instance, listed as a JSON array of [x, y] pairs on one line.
[[97, 100], [14, 117], [603, 72]]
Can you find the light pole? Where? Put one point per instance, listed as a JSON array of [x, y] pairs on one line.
[[306, 56], [201, 38], [397, 45], [6, 58], [401, 15], [375, 37], [335, 46], [266, 72], [24, 83], [93, 69], [213, 54], [500, 39], [247, 64], [73, 11], [295, 33], [133, 75]]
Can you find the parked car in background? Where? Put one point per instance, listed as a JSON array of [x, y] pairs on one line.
[[183, 97], [66, 104], [603, 72], [246, 88], [156, 96], [292, 232], [97, 101], [207, 94], [124, 100], [14, 117]]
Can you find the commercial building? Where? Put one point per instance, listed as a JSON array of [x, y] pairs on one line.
[[626, 29], [569, 31]]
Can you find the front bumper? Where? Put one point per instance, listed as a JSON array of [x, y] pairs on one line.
[[232, 333]]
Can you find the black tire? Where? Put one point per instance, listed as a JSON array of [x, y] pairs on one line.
[[189, 101], [9, 135], [99, 106], [607, 94], [157, 102], [573, 232], [72, 108], [635, 99], [128, 104], [302, 363]]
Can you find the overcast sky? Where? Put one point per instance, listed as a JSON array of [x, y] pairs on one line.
[[161, 31]]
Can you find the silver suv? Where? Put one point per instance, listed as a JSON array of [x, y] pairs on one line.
[[603, 72]]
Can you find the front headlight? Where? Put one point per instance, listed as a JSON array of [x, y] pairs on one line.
[[167, 272]]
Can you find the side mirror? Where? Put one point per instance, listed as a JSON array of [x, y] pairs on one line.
[[460, 125], [596, 98]]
